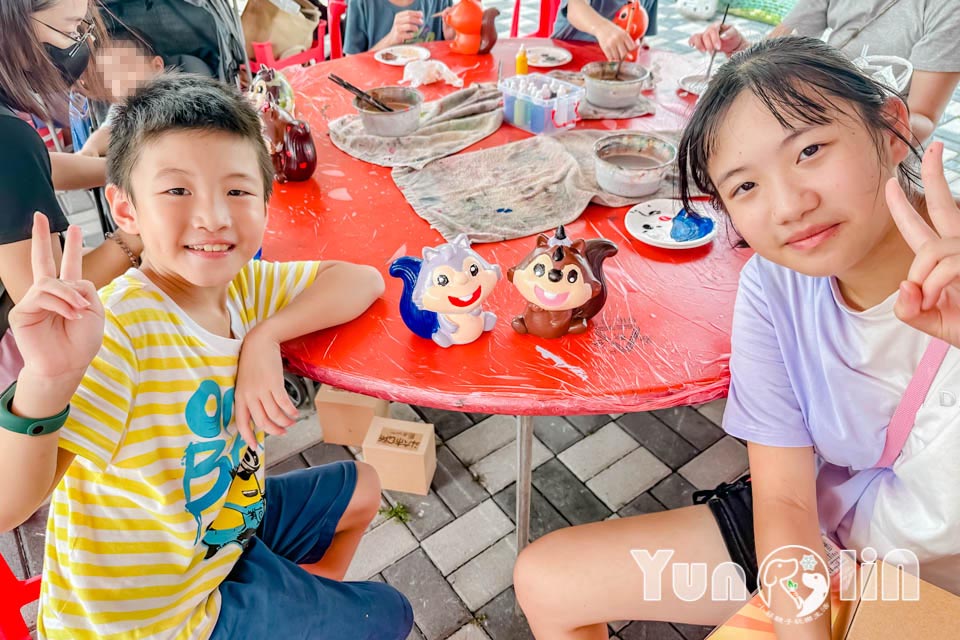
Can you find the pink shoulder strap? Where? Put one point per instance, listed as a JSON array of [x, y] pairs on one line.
[[903, 418]]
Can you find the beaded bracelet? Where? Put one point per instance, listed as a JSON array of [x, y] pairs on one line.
[[134, 260]]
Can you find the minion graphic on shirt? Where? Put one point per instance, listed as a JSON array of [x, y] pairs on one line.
[[243, 510]]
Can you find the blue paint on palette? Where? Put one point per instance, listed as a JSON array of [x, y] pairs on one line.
[[687, 227]]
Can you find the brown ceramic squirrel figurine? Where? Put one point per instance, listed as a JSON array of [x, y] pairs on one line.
[[563, 283]]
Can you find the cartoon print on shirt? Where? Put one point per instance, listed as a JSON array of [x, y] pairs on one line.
[[242, 511], [217, 458]]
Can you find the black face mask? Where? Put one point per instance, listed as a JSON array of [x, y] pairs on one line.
[[71, 67]]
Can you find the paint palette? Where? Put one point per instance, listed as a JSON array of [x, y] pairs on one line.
[[694, 84], [548, 56], [666, 224], [401, 55]]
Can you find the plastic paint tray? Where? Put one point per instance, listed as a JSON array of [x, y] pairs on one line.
[[536, 114]]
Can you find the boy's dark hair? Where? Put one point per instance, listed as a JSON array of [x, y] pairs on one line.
[[127, 36], [797, 79], [181, 102]]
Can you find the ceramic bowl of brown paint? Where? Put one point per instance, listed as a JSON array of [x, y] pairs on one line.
[[403, 120], [614, 85], [632, 164]]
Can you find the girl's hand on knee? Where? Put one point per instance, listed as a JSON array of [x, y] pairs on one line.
[[930, 296], [260, 399], [58, 324]]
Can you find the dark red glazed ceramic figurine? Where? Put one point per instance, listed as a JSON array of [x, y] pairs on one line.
[[289, 140], [562, 281]]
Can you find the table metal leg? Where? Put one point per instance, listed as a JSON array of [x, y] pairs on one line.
[[524, 478]]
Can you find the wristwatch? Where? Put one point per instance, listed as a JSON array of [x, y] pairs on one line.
[[28, 426]]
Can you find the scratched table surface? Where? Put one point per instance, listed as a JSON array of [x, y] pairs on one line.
[[663, 338]]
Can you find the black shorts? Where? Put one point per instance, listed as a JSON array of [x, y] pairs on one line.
[[732, 506]]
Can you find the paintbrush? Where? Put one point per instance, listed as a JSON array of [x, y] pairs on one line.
[[719, 31], [360, 93]]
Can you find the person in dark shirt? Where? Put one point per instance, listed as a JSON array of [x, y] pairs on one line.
[[45, 49]]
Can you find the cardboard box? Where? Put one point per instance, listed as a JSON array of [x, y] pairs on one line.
[[935, 615], [403, 453], [753, 622], [345, 417]]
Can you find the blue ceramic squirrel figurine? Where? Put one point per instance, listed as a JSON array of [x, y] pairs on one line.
[[443, 292]]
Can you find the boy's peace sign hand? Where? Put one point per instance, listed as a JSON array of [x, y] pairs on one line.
[[58, 324], [930, 297]]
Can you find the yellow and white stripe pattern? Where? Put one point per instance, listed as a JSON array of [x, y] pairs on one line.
[[130, 550]]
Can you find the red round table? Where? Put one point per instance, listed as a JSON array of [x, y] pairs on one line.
[[663, 338]]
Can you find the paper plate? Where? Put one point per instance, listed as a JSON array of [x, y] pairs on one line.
[[695, 83], [652, 222], [548, 57], [401, 55]]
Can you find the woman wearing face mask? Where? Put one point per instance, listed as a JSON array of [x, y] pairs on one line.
[[45, 49]]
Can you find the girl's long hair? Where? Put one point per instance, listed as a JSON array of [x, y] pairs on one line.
[[29, 81], [798, 79]]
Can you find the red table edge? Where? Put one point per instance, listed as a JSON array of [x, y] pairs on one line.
[[698, 392]]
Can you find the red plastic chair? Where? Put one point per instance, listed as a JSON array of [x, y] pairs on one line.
[[335, 11], [16, 594], [548, 15], [263, 53]]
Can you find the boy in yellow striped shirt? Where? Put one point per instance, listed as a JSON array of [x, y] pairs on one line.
[[162, 524]]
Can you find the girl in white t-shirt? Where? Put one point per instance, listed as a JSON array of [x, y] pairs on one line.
[[855, 270]]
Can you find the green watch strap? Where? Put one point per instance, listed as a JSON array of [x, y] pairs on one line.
[[28, 426]]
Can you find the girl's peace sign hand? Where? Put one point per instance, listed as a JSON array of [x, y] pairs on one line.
[[58, 324], [930, 296]]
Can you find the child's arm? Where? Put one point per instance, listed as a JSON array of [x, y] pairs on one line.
[[340, 292], [930, 93], [614, 41], [729, 40], [406, 25], [449, 33], [74, 171], [785, 513], [58, 326], [96, 145]]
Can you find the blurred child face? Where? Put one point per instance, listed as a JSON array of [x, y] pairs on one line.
[[811, 198], [198, 206], [125, 69]]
